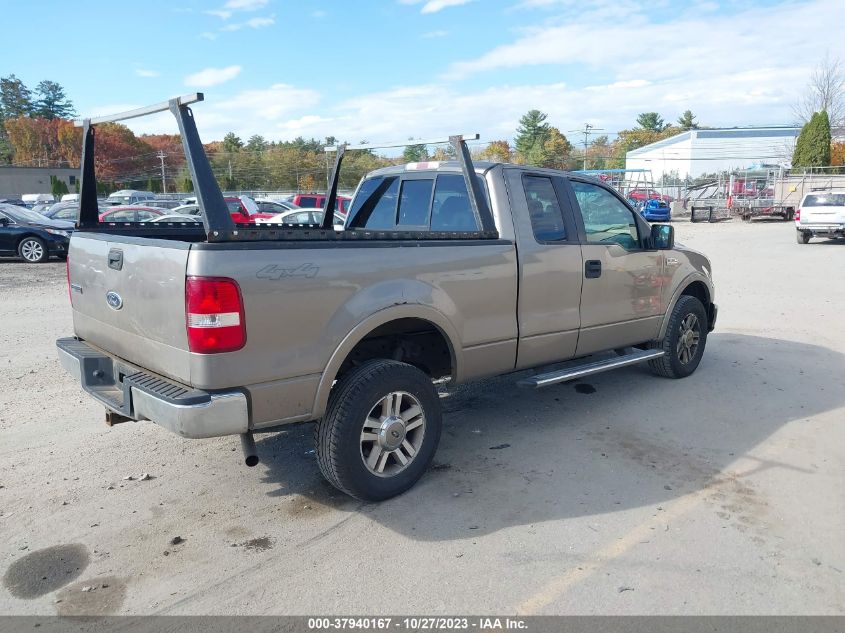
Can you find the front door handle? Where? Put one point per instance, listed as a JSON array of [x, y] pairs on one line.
[[592, 269]]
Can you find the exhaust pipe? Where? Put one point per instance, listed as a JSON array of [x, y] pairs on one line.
[[248, 446]]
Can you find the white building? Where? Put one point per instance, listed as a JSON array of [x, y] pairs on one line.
[[698, 152]]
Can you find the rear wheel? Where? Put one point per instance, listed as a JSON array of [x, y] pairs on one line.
[[686, 336], [380, 431], [32, 250], [803, 237]]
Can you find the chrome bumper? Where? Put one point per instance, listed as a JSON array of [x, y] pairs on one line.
[[137, 394]]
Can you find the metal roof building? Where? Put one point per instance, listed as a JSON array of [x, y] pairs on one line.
[[698, 152]]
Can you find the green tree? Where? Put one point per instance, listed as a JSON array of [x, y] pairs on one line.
[[232, 143], [531, 136], [812, 149], [651, 121], [15, 98], [51, 102], [415, 153], [256, 143], [687, 121], [58, 187]]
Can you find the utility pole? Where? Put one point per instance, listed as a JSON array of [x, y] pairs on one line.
[[588, 129], [161, 157]]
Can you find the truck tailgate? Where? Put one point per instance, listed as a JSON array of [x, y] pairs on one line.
[[128, 297]]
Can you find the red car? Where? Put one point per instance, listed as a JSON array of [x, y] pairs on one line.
[[244, 210], [318, 200], [641, 195], [131, 213]]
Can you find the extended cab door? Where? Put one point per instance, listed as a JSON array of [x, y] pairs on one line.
[[549, 267], [621, 296]]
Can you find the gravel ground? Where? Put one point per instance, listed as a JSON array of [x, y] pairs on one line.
[[718, 494]]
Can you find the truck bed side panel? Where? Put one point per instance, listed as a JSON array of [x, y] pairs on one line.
[[302, 300]]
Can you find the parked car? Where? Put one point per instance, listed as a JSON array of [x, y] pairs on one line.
[[265, 205], [32, 199], [302, 216], [131, 213], [164, 203], [318, 201], [129, 196], [821, 214], [62, 211], [641, 195], [244, 210], [656, 211], [30, 235], [187, 209], [173, 217]]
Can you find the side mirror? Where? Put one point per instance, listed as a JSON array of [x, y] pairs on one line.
[[662, 236], [4, 221]]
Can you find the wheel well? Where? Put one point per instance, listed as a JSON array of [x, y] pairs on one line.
[[26, 235], [414, 341], [698, 290]]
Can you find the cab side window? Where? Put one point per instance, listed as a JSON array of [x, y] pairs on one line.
[[606, 219], [544, 209]]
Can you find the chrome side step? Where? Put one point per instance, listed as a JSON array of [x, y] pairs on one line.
[[590, 368]]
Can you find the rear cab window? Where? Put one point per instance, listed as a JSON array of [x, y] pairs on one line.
[[425, 201], [824, 200]]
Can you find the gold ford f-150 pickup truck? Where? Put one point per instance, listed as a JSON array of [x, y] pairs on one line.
[[443, 270]]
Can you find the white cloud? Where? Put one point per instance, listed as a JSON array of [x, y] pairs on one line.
[[433, 6], [145, 72], [233, 6], [252, 23], [434, 34], [212, 76]]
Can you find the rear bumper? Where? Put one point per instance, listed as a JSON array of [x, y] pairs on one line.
[[139, 395], [822, 229]]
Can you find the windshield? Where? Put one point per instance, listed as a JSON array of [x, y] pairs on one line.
[[19, 214]]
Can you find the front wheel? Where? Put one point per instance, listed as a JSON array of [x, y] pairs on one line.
[[380, 431], [803, 237], [686, 336], [33, 250]]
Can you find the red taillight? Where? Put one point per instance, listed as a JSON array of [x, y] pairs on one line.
[[215, 315], [797, 215]]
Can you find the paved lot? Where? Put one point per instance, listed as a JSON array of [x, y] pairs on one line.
[[720, 494]]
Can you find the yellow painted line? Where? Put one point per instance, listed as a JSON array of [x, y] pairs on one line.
[[558, 586]]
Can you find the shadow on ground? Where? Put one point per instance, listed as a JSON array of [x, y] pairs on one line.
[[512, 457]]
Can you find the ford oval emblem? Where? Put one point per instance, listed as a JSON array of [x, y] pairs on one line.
[[114, 300]]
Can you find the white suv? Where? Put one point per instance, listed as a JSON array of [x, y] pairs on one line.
[[821, 214]]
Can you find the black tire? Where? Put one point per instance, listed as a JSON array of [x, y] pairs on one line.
[[671, 365], [338, 435], [803, 237], [33, 250]]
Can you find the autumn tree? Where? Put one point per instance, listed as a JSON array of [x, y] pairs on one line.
[[837, 154], [497, 151], [557, 150], [812, 149]]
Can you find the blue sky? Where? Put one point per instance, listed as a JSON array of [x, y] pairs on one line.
[[390, 69]]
